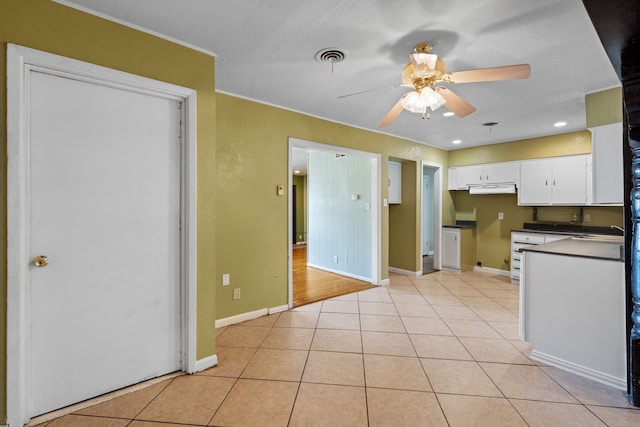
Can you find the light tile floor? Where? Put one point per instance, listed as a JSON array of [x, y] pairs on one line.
[[436, 350]]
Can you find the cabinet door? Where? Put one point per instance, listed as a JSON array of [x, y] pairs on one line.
[[608, 184], [469, 175], [497, 173], [534, 183], [452, 183], [395, 182], [569, 182], [451, 248]]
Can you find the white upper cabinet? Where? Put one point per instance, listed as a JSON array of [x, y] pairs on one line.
[[395, 183], [470, 175], [554, 181], [461, 177], [606, 147], [500, 173]]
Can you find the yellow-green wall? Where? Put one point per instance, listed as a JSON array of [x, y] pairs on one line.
[[604, 107], [54, 28], [404, 222], [252, 150], [548, 146]]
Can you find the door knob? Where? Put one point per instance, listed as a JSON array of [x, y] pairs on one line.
[[41, 261]]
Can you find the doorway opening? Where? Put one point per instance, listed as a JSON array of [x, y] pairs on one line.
[[431, 217], [334, 245]]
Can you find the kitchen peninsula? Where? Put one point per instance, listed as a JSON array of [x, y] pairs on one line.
[[572, 306]]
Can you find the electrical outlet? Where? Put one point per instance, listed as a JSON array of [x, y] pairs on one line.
[[236, 293], [335, 259], [586, 218], [225, 279], [500, 215]]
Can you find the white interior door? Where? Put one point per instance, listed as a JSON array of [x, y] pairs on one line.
[[104, 207]]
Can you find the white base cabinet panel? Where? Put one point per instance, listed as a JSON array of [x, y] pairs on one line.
[[572, 310]]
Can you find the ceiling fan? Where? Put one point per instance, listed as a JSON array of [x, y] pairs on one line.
[[426, 72]]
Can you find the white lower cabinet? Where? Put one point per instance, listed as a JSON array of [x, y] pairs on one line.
[[520, 239], [451, 248], [458, 248]]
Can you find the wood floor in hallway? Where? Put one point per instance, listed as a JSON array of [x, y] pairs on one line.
[[311, 284]]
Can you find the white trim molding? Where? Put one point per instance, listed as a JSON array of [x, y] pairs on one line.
[[206, 363], [278, 309], [20, 61], [242, 317], [583, 371], [405, 272]]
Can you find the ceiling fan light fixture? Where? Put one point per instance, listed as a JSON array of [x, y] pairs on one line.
[[418, 102], [431, 98], [424, 64], [412, 102]]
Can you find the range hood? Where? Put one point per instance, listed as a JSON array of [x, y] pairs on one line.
[[492, 189]]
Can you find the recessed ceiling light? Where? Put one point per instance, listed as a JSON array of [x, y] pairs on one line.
[[448, 114], [559, 124], [456, 141], [296, 171]]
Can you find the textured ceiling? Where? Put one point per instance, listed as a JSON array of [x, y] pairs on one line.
[[265, 51]]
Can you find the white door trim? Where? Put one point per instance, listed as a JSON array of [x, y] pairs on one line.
[[437, 211], [376, 231], [20, 60]]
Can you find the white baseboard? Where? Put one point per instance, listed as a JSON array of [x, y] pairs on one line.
[[385, 282], [405, 272], [278, 309], [492, 271], [243, 317], [220, 323], [583, 371], [206, 363]]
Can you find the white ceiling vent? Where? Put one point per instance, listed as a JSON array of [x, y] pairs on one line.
[[332, 55]]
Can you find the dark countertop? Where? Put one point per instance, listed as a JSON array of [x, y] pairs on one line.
[[606, 248], [461, 224], [567, 228]]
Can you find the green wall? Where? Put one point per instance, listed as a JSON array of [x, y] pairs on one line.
[[534, 148], [54, 28], [404, 222], [252, 151], [604, 107]]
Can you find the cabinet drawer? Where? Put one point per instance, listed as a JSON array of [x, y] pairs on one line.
[[527, 239]]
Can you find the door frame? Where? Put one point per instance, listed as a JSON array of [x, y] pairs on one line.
[[20, 61], [437, 211], [376, 212]]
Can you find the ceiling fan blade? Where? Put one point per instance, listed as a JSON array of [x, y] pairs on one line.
[[508, 72], [371, 90], [456, 104], [392, 114]]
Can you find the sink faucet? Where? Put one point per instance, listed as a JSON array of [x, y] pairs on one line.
[[618, 228]]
